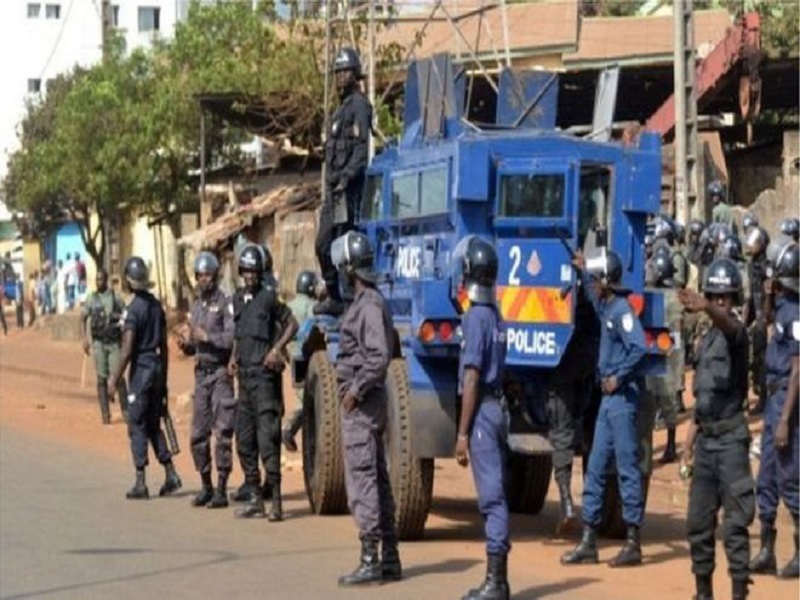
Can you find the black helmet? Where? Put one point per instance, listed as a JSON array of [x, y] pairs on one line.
[[649, 239], [352, 254], [696, 227], [206, 263], [607, 267], [664, 230], [306, 283], [716, 188], [348, 60], [680, 231], [722, 277], [267, 256], [749, 221], [251, 258], [665, 271], [791, 227], [137, 274], [476, 259], [756, 241], [731, 248], [787, 267]]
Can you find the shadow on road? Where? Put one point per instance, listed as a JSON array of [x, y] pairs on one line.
[[455, 565], [548, 589]]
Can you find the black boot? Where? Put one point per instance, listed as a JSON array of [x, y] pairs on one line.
[[739, 589], [254, 509], [139, 490], [276, 507], [369, 570], [764, 562], [792, 569], [206, 492], [220, 497], [495, 586], [292, 427], [631, 553], [330, 306], [172, 483], [390, 558], [244, 491], [586, 550], [568, 516], [670, 454], [102, 397], [704, 586]]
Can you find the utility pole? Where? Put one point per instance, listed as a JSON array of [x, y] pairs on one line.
[[685, 111], [106, 18]]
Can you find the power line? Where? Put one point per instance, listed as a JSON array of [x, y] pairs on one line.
[[58, 39]]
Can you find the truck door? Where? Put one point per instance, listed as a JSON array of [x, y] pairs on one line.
[[536, 229]]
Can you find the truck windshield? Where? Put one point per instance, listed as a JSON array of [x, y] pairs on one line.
[[371, 204], [532, 196]]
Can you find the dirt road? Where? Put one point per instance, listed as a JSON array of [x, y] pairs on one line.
[[67, 532]]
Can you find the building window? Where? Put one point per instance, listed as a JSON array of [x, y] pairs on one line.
[[115, 15], [52, 11], [149, 18], [33, 10], [34, 86]]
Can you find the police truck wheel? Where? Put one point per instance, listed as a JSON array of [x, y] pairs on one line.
[[411, 478], [528, 479], [323, 463]]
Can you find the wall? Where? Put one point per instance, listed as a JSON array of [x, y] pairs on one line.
[[156, 246], [754, 170]]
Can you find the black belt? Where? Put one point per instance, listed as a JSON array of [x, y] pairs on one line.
[[777, 386], [718, 428], [208, 367]]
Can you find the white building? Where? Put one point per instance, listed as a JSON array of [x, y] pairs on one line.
[[41, 38]]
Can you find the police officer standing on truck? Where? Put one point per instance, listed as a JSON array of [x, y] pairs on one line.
[[718, 440], [365, 350], [779, 475], [144, 346], [301, 305], [210, 341], [483, 423], [346, 157], [103, 309], [263, 326], [622, 349]]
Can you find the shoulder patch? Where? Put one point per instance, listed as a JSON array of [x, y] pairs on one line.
[[627, 322], [796, 331]]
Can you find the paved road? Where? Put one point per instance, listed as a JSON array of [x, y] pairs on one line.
[[67, 532]]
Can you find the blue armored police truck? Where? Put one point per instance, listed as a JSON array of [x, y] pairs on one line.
[[539, 194]]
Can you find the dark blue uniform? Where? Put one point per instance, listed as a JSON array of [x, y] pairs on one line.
[[622, 348], [145, 318], [484, 349], [779, 475]]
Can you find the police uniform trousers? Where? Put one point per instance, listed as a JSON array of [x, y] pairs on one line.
[[329, 231], [488, 448], [145, 407], [779, 473], [615, 438], [106, 359], [758, 352], [213, 410], [258, 422], [722, 478], [369, 492]]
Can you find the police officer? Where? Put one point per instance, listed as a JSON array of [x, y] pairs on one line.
[[483, 423], [779, 475], [749, 221], [790, 227], [263, 326], [346, 157], [144, 346], [103, 309], [365, 350], [572, 385], [721, 213], [301, 305], [668, 388], [717, 441], [210, 341], [756, 243], [622, 348]]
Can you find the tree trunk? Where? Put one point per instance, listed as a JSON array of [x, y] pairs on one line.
[[93, 241], [174, 222]]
